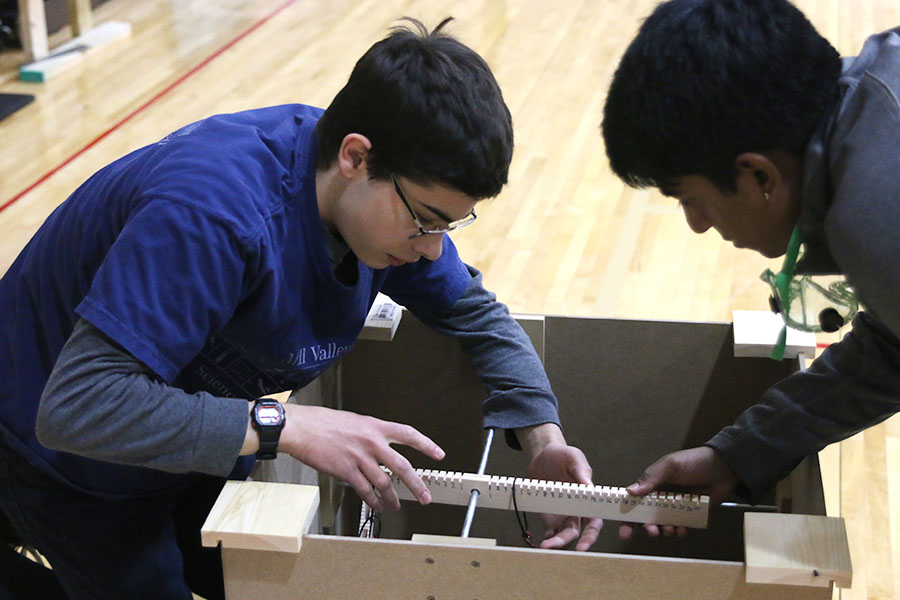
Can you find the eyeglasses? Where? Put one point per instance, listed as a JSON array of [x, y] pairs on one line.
[[467, 220], [805, 304]]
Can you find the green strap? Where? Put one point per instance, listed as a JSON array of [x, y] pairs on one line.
[[783, 285]]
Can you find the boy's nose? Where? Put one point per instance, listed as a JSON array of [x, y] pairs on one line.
[[430, 246], [696, 219]]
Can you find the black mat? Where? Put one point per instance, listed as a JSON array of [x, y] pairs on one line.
[[10, 103]]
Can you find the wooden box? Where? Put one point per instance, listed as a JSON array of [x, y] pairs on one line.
[[629, 392]]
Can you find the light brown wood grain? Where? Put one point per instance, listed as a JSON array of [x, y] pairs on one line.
[[80, 16], [261, 516], [805, 550], [559, 498], [33, 28], [331, 567], [327, 567]]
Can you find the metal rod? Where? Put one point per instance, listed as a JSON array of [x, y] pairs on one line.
[[470, 510]]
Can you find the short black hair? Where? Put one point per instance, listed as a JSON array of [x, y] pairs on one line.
[[706, 80], [432, 110]]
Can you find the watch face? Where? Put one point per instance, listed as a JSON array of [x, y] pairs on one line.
[[268, 415]]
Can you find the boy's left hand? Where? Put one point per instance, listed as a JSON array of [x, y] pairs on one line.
[[552, 459]]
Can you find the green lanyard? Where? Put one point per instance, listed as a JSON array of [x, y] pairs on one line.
[[783, 288]]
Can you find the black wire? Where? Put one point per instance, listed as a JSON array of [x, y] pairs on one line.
[[523, 521], [363, 524], [375, 519]]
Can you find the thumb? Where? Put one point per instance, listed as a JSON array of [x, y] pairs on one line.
[[649, 480], [642, 487], [582, 474]]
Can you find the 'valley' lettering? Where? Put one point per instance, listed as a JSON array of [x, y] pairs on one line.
[[316, 353]]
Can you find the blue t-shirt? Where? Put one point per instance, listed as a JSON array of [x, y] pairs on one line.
[[204, 256]]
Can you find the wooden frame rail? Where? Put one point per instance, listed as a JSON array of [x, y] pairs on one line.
[[251, 519]]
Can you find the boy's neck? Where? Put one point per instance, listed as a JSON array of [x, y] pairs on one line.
[[329, 187]]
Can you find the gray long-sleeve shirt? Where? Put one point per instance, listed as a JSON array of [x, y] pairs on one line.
[[850, 224], [103, 403]]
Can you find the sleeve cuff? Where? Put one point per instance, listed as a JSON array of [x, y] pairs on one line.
[[222, 431], [513, 409], [756, 472]]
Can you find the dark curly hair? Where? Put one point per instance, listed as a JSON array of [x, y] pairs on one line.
[[706, 80]]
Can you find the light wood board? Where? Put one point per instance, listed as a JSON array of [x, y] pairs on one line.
[[330, 567], [261, 516], [797, 549], [560, 498]]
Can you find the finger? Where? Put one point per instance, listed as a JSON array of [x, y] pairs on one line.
[[681, 531], [639, 489], [364, 488], [654, 476], [589, 535], [642, 487], [412, 437], [402, 469], [668, 530], [625, 531], [552, 523], [652, 529], [582, 474], [565, 536], [381, 481], [579, 469]]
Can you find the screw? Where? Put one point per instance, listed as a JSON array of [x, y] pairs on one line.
[[476, 564], [430, 561], [430, 598]]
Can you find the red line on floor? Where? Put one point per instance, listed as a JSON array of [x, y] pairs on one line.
[[141, 108]]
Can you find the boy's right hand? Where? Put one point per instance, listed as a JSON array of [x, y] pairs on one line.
[[695, 471], [352, 447]]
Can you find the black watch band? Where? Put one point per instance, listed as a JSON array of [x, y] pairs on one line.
[[267, 418]]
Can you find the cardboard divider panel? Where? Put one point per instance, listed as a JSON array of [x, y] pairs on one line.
[[629, 392]]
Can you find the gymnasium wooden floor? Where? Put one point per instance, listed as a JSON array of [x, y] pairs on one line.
[[565, 237]]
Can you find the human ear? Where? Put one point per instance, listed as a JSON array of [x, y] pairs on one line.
[[765, 172], [351, 157]]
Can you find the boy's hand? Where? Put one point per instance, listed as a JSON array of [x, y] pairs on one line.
[[550, 458], [352, 447], [696, 471]]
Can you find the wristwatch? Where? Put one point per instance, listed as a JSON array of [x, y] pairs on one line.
[[267, 418]]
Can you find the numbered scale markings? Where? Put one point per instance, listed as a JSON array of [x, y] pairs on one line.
[[555, 497]]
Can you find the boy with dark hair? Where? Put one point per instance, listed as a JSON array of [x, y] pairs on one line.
[[235, 258], [743, 112]]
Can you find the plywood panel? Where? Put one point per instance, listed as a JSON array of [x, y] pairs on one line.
[[797, 549], [331, 567], [261, 516], [629, 392]]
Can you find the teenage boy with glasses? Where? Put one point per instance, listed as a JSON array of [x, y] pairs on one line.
[[746, 115], [197, 273]]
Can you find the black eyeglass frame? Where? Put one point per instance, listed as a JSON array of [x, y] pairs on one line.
[[452, 226]]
